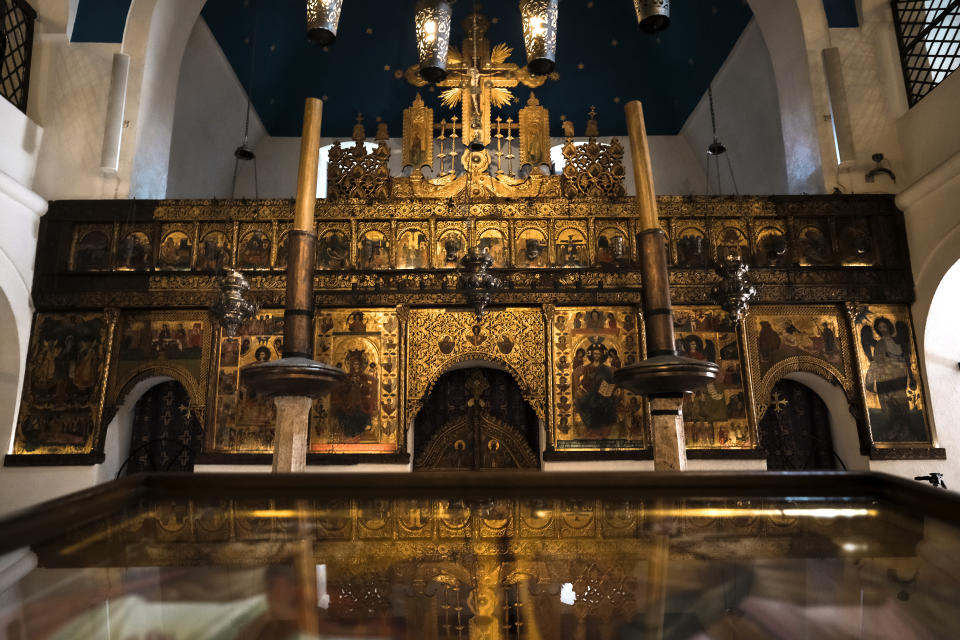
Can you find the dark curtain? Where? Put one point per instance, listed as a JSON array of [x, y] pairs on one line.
[[795, 431], [166, 434], [452, 396]]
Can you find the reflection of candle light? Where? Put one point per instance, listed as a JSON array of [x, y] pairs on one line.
[[430, 27]]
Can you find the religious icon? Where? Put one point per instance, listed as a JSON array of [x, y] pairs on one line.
[[412, 251], [571, 249], [283, 253], [732, 238], [595, 395], [214, 252], [176, 251], [92, 252], [891, 375], [591, 412], [707, 334], [691, 248], [771, 247], [856, 244], [254, 250], [531, 250], [60, 410], [780, 337], [353, 404], [450, 248], [135, 251], [493, 241], [814, 246], [333, 250], [373, 251], [611, 247]]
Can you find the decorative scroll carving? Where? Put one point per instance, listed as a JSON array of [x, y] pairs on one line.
[[594, 169], [511, 338], [354, 173]]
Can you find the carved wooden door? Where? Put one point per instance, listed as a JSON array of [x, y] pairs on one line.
[[795, 430], [476, 419], [477, 440]]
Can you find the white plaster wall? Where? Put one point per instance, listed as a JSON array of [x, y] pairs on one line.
[[783, 32], [748, 122], [930, 131], [170, 25], [20, 140], [68, 97], [21, 487], [209, 124]]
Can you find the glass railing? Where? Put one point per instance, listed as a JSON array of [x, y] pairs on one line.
[[486, 555]]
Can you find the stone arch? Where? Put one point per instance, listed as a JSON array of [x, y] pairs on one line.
[[940, 355], [156, 370], [116, 434]]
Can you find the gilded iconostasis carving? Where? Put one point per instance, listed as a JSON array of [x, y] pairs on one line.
[[126, 297]]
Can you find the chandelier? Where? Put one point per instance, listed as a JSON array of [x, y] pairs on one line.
[[323, 16], [432, 20], [652, 15], [539, 19]]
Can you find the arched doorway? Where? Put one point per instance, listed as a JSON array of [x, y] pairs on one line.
[[795, 430], [476, 418], [166, 433]]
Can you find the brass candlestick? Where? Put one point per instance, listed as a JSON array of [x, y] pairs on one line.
[[663, 375], [297, 379]]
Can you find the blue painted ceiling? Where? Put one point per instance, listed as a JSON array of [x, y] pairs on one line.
[[603, 59]]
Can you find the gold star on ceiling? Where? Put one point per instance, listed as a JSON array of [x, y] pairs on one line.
[[369, 31], [580, 66], [386, 67]]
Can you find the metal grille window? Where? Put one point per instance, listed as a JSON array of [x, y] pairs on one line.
[[16, 46], [928, 32]]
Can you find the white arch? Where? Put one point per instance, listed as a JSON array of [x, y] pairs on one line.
[[16, 313], [155, 38], [843, 425], [782, 26], [940, 354]]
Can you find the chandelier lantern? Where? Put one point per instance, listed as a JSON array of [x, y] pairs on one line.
[[432, 19], [652, 15], [323, 16], [539, 19]]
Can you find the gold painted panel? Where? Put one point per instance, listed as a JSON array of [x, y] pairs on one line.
[[730, 233], [439, 339], [255, 246], [715, 417], [92, 248], [362, 415], [171, 343], [494, 236], [531, 249], [785, 339], [283, 251], [855, 244], [813, 244], [451, 244], [613, 243], [135, 248], [373, 246], [176, 247], [590, 413], [893, 388], [570, 244], [333, 246], [771, 244], [692, 245], [63, 392], [413, 247], [215, 247], [243, 422]]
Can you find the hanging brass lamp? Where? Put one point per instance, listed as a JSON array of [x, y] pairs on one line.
[[539, 19], [323, 16], [652, 15], [432, 19]]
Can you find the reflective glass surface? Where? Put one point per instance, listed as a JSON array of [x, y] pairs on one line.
[[494, 556]]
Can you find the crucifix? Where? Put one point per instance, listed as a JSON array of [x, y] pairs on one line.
[[479, 79]]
